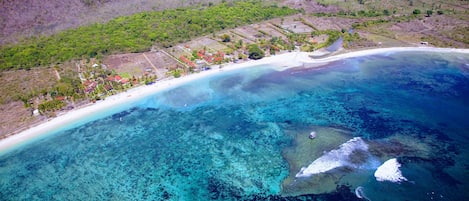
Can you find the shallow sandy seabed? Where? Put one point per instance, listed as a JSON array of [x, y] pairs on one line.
[[287, 60]]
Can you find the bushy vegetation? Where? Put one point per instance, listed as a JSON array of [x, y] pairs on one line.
[[50, 106], [333, 35], [416, 12], [135, 33], [255, 52]]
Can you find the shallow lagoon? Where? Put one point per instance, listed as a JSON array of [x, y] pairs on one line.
[[243, 135]]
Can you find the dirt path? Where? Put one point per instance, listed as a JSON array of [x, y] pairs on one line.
[[57, 74], [159, 74], [154, 67]]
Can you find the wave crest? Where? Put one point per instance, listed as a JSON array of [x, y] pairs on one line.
[[389, 171], [353, 153]]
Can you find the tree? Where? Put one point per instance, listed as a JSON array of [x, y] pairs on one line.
[[416, 12], [50, 105], [225, 38], [239, 44], [386, 12], [177, 73], [429, 13], [255, 52]]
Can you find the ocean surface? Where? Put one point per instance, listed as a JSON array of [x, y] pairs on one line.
[[244, 135]]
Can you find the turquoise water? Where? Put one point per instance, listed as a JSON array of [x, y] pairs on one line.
[[243, 135]]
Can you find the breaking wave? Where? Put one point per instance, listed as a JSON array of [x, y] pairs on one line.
[[360, 193], [353, 153], [389, 171]]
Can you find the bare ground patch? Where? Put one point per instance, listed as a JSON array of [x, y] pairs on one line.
[[15, 117], [23, 82]]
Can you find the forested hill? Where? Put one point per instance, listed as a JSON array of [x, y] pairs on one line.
[[135, 33], [23, 18]]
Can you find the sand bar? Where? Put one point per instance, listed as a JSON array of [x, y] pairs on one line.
[[78, 117]]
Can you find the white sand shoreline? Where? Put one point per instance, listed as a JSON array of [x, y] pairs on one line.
[[287, 60]]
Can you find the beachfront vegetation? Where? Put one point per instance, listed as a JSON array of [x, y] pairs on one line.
[[255, 52], [135, 33], [50, 106]]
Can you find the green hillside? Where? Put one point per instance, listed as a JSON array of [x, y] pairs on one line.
[[136, 33]]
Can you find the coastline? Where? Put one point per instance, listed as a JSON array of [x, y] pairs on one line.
[[77, 116]]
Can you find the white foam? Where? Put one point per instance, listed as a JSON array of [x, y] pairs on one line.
[[389, 171], [359, 192], [335, 158]]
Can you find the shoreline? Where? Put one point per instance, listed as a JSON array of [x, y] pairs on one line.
[[76, 117]]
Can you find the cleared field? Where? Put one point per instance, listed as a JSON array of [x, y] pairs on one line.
[[162, 61], [247, 33], [383, 41], [24, 82], [271, 30], [179, 50], [208, 44], [293, 24], [400, 6], [234, 37], [15, 116], [255, 32], [330, 23], [134, 64], [310, 6]]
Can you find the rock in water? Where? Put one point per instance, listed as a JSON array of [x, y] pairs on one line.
[[312, 135]]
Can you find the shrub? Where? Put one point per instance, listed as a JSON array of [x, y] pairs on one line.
[[52, 105], [255, 52], [429, 13], [225, 38]]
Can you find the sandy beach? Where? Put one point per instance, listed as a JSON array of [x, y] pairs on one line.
[[79, 116]]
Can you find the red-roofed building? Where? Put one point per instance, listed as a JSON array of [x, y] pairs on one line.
[[89, 86], [124, 80], [218, 57], [187, 61], [108, 87], [208, 58], [201, 53], [110, 78], [60, 98], [116, 78]]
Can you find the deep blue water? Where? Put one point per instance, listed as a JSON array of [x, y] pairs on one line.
[[243, 135]]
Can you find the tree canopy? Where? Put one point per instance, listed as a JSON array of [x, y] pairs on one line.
[[255, 52]]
